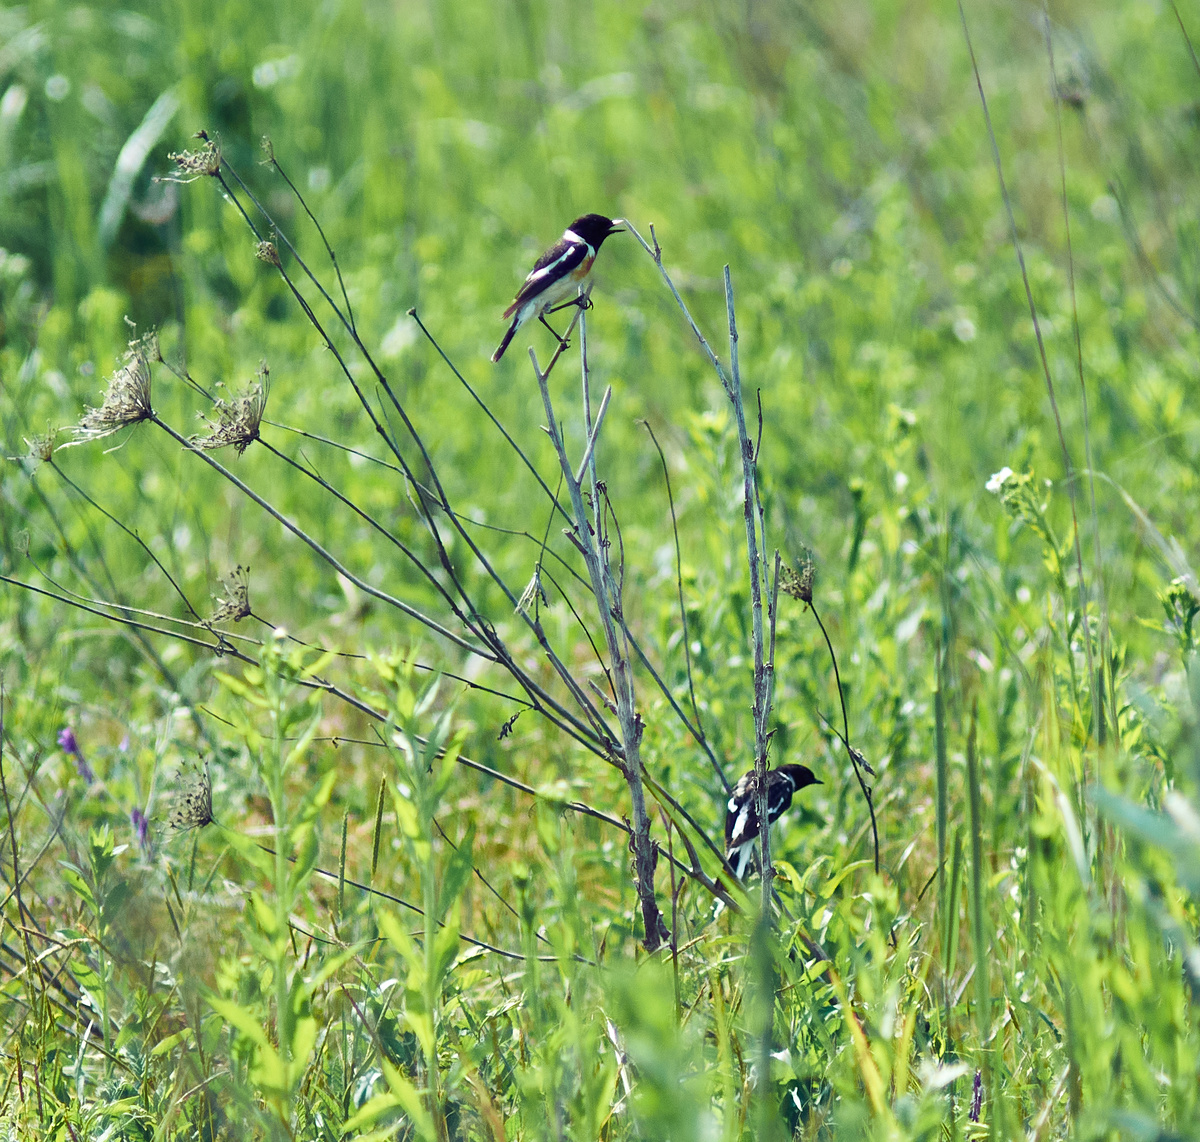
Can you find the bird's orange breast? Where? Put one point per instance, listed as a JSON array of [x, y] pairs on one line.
[[582, 270]]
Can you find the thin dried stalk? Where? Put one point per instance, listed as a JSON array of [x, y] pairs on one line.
[[608, 604]]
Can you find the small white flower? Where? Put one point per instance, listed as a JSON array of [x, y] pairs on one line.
[[998, 479]]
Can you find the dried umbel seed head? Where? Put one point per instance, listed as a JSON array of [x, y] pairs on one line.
[[145, 346], [126, 400], [236, 421], [192, 808], [40, 449], [235, 604], [267, 252], [798, 584], [192, 165]]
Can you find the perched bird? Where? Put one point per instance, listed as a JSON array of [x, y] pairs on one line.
[[557, 275], [741, 815]]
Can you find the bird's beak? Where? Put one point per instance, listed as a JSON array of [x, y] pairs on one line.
[[617, 226]]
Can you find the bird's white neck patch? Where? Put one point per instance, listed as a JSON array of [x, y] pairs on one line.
[[571, 236]]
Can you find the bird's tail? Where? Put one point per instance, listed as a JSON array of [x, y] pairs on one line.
[[512, 330]]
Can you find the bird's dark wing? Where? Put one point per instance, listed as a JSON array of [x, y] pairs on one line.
[[780, 788], [558, 261], [741, 813]]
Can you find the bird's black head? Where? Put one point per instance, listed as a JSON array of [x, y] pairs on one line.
[[594, 228], [801, 775]]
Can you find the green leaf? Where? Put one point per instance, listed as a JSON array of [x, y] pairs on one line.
[[241, 1018], [371, 1110], [115, 898], [422, 1025], [241, 689], [445, 948], [410, 1099], [406, 815], [456, 874], [181, 1038], [399, 938], [79, 886]]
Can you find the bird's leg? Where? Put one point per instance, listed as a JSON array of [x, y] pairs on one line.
[[582, 301], [561, 340]]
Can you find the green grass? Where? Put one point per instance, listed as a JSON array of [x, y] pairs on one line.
[[1035, 921]]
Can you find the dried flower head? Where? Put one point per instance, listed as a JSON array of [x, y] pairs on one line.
[[534, 593], [40, 448], [146, 345], [192, 808], [192, 165], [268, 149], [235, 604], [237, 421], [126, 400], [267, 252], [798, 584]]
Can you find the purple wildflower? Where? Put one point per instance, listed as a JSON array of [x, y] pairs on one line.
[[141, 827], [977, 1097], [69, 746]]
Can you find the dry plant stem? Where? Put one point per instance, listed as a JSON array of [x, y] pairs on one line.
[[329, 874], [698, 730], [1186, 38], [733, 391], [443, 502], [128, 531], [602, 736], [1037, 330], [1129, 223], [490, 415], [762, 699], [644, 851], [367, 518], [656, 253], [323, 552], [845, 736], [30, 960], [1083, 397], [139, 636], [320, 230], [318, 683]]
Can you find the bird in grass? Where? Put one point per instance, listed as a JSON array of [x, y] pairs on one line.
[[741, 814], [557, 275]]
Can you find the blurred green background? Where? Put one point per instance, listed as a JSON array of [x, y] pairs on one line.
[[836, 157]]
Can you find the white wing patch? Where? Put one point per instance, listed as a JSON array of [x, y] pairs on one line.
[[537, 275], [740, 822]]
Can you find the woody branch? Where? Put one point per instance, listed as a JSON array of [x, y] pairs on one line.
[[590, 541]]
